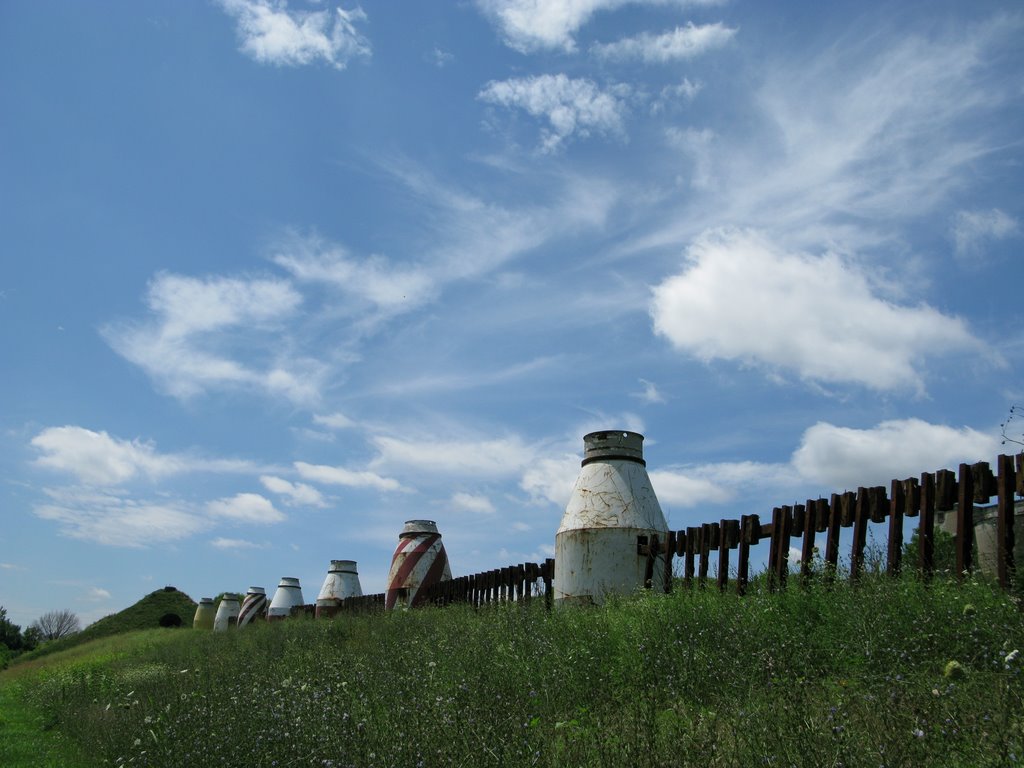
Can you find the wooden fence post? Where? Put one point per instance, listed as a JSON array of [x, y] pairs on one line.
[[750, 527], [670, 550], [1006, 484], [926, 527], [548, 574], [860, 530], [964, 522], [692, 535], [807, 546], [724, 542], [835, 512], [897, 506]]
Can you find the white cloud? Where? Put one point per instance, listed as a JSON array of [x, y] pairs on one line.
[[681, 43], [336, 420], [246, 508], [96, 458], [441, 58], [271, 33], [469, 502], [97, 594], [571, 106], [225, 543], [529, 25], [650, 393], [741, 297], [841, 457], [115, 521], [321, 473], [698, 144], [480, 458], [972, 229], [180, 348], [551, 479], [853, 139], [296, 494], [375, 280], [672, 95]]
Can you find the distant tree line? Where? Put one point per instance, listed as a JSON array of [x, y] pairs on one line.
[[52, 625]]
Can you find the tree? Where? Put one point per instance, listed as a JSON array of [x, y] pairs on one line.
[[1015, 412], [54, 625], [10, 633]]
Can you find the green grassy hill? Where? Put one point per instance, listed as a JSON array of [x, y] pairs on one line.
[[145, 614], [884, 672]]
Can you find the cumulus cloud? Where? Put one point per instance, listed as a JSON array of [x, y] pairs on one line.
[[680, 43], [296, 494], [842, 457], [322, 473], [470, 502], [529, 25], [571, 106], [182, 346], [97, 458], [271, 33], [741, 297], [973, 229], [115, 521], [246, 508], [97, 594]]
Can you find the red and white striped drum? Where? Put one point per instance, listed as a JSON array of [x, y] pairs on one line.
[[419, 562], [254, 606]]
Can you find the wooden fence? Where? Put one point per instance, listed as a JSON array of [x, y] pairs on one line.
[[922, 498], [942, 490]]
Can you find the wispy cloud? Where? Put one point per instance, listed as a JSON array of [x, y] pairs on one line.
[[246, 508], [530, 25], [972, 230], [272, 33], [182, 347], [471, 502], [482, 458], [222, 542], [295, 494], [322, 473], [116, 521], [677, 44], [97, 458], [572, 107], [742, 297]]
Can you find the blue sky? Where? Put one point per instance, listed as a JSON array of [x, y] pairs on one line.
[[277, 277]]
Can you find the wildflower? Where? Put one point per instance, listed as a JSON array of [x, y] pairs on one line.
[[1011, 657], [954, 669], [918, 733]]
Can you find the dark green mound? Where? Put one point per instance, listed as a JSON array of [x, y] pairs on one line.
[[166, 607]]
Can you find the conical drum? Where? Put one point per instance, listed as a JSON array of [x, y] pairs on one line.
[[205, 614], [342, 582], [253, 607], [227, 613], [287, 597], [612, 504], [419, 563]]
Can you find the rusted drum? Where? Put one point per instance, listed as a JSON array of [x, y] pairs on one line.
[[287, 597], [253, 607], [612, 504], [227, 613], [205, 614], [419, 563], [342, 582]]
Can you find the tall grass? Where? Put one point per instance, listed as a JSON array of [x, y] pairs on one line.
[[846, 676]]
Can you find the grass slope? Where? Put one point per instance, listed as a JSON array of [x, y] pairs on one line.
[[841, 675], [145, 614]]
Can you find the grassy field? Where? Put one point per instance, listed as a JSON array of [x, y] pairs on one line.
[[882, 674]]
